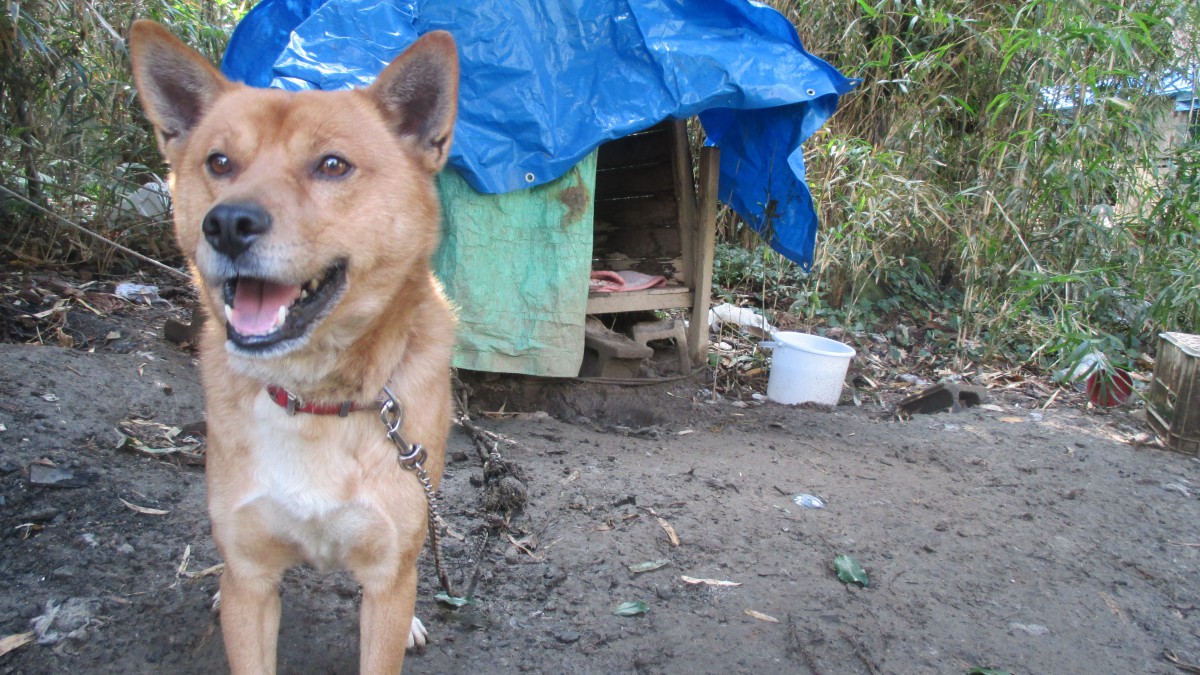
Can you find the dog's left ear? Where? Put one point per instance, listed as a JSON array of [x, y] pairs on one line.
[[418, 93]]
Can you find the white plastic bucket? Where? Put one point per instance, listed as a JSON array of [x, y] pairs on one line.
[[806, 368]]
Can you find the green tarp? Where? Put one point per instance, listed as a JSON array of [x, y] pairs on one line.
[[516, 266]]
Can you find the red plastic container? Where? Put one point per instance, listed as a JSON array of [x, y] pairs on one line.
[[1109, 388]]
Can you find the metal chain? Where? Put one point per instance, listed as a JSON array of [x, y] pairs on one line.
[[411, 457]]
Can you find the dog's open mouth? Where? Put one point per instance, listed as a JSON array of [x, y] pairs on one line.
[[261, 314]]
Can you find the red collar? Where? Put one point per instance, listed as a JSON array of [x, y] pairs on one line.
[[285, 399]]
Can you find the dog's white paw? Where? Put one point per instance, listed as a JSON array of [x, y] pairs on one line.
[[216, 602], [418, 636]]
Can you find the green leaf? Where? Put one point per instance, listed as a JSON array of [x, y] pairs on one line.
[[648, 566], [987, 671], [849, 571], [454, 601], [631, 608]]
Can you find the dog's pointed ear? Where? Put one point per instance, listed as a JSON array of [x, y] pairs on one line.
[[176, 85], [418, 93]]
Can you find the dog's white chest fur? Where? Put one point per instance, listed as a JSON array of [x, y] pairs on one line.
[[306, 485]]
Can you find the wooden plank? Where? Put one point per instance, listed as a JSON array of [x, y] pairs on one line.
[[652, 211], [645, 242], [650, 146], [635, 181], [666, 297], [704, 247], [685, 197]]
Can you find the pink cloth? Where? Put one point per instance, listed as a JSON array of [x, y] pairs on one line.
[[607, 281]]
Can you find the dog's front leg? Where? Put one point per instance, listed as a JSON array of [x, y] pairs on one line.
[[387, 614], [250, 618]]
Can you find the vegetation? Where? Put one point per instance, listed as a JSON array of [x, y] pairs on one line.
[[74, 141], [953, 192], [968, 177]]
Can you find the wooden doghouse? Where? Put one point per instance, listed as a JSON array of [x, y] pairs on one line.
[[655, 213]]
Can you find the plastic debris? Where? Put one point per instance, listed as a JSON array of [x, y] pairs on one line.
[[742, 317], [139, 293], [53, 476], [809, 501]]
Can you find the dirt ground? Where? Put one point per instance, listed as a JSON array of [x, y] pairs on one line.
[[1014, 537]]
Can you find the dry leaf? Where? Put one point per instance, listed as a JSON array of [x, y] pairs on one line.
[[144, 509], [669, 530], [1012, 420], [760, 616], [708, 582], [14, 641], [1113, 606]]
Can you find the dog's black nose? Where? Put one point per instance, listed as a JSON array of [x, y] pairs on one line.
[[231, 228]]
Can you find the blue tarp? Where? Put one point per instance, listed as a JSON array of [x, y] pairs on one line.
[[544, 82]]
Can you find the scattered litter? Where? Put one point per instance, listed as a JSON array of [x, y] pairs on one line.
[[53, 476], [987, 671], [693, 581], [913, 379], [2, 427], [139, 293], [1012, 420], [69, 620], [151, 200], [453, 600], [1032, 628], [648, 566], [742, 317], [143, 509], [666, 528], [760, 616], [809, 501], [50, 397], [15, 641], [849, 571], [990, 407], [1180, 663], [1177, 487], [631, 608]]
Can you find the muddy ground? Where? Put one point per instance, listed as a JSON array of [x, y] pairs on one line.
[[1014, 537]]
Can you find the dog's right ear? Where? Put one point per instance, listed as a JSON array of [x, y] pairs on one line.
[[176, 85]]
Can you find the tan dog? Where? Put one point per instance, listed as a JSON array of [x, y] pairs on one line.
[[309, 220]]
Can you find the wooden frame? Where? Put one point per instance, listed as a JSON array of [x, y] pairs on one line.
[[646, 183]]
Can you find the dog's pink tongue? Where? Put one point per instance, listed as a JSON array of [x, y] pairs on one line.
[[256, 304]]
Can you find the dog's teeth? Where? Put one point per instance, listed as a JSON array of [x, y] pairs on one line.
[[281, 317], [228, 313], [303, 293]]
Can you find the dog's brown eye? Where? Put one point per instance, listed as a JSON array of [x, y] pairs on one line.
[[218, 164], [332, 166]]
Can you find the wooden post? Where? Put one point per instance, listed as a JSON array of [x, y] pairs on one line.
[[704, 246]]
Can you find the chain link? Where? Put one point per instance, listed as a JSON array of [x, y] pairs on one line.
[[411, 458]]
